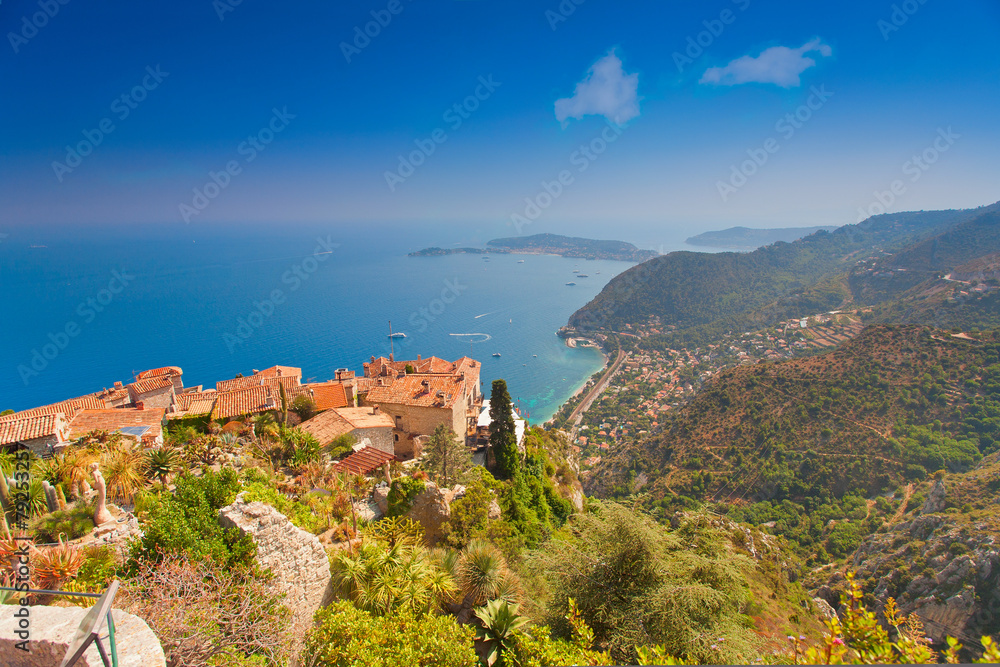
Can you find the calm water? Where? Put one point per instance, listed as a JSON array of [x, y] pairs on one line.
[[184, 293]]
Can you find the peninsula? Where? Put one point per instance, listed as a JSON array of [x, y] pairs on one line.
[[551, 244]]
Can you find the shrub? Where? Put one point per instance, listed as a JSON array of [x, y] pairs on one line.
[[187, 522], [401, 495], [348, 637], [73, 522], [206, 615]]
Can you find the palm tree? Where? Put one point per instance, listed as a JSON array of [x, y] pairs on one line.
[[161, 462], [500, 622]]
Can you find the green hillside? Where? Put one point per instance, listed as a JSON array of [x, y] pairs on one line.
[[703, 295]]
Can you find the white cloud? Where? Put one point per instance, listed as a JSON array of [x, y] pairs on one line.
[[779, 65], [606, 91]]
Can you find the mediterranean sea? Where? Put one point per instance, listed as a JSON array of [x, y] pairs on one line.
[[87, 307]]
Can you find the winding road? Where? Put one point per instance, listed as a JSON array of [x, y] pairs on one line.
[[576, 416]]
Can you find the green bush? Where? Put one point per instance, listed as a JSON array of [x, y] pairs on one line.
[[187, 522], [345, 636], [298, 513], [401, 495], [73, 522]]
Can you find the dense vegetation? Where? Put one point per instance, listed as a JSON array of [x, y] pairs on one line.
[[889, 407]]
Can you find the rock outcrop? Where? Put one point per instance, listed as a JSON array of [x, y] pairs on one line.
[[297, 559], [52, 630], [941, 564], [431, 508]]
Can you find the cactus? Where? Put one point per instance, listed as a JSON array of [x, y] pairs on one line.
[[60, 497], [4, 494], [50, 497]]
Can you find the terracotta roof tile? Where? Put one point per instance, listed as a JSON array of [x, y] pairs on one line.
[[237, 383], [167, 371], [280, 371], [243, 402], [115, 419], [69, 408], [148, 385], [330, 425], [327, 395], [29, 428], [364, 461], [411, 390]]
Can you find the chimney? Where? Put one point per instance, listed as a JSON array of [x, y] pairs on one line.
[[139, 405], [391, 356], [418, 357], [118, 385], [374, 409], [426, 384]]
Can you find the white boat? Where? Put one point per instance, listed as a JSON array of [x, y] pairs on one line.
[[520, 261], [496, 354], [399, 334], [570, 283]]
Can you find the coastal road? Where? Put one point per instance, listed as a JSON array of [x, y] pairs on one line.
[[577, 415]]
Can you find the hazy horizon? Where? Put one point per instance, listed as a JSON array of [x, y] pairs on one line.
[[465, 115]]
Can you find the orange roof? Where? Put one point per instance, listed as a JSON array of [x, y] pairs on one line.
[[115, 419], [112, 394], [364, 461], [237, 383], [69, 408], [29, 428], [280, 371], [330, 425], [243, 402], [411, 390], [290, 383], [155, 383], [184, 401], [157, 372], [327, 395]]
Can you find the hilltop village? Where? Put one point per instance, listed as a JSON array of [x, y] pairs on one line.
[[394, 406]]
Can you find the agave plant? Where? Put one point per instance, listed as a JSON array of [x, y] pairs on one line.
[[381, 580], [500, 622], [56, 565], [161, 462]]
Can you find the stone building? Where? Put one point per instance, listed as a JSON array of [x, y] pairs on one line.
[[362, 423], [419, 402]]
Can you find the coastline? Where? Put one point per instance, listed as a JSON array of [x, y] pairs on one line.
[[583, 385]]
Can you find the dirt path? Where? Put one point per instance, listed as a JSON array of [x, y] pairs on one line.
[[898, 516]]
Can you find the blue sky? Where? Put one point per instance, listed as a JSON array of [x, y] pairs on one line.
[[891, 78]]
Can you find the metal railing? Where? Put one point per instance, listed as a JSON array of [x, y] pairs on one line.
[[87, 632]]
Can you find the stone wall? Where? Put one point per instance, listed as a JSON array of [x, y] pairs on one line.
[[418, 420], [297, 559], [52, 630], [379, 437]]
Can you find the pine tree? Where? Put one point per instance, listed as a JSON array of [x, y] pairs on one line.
[[445, 456], [503, 437]]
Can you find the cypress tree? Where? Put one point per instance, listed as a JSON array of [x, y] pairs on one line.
[[503, 438]]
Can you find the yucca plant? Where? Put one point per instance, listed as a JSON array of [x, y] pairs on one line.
[[160, 463], [72, 469], [123, 468], [500, 622], [482, 574]]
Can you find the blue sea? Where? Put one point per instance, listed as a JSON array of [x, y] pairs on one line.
[[86, 307]]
